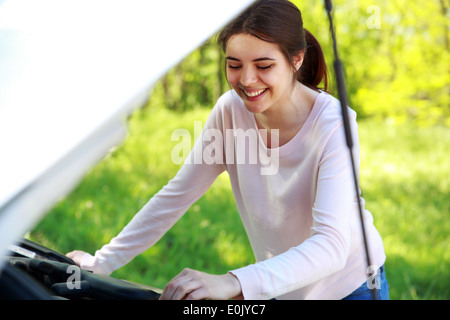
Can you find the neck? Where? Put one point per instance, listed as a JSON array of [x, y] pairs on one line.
[[289, 116]]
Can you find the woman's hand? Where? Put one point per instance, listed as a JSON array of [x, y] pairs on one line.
[[195, 285], [76, 256]]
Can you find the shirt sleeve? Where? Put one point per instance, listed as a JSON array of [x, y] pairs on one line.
[[326, 250], [161, 212]]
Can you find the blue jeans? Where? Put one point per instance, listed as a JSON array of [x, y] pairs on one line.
[[365, 293]]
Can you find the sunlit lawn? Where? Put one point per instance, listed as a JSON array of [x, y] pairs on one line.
[[406, 182], [405, 179]]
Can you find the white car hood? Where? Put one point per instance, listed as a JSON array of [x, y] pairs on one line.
[[71, 72]]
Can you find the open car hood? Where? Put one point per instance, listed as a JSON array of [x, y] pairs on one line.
[[71, 72]]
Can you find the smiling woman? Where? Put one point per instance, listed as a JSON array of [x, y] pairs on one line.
[[300, 218], [273, 61]]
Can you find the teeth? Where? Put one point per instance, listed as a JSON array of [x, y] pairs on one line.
[[255, 93]]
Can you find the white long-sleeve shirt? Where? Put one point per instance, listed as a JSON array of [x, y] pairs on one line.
[[297, 203]]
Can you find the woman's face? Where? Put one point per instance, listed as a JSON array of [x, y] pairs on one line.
[[259, 72]]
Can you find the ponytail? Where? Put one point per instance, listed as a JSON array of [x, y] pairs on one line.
[[314, 69]]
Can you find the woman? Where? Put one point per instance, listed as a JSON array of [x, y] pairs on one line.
[[301, 214]]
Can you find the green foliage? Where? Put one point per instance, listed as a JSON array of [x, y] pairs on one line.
[[197, 81], [396, 55]]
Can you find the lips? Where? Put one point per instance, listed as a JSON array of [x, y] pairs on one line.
[[252, 94]]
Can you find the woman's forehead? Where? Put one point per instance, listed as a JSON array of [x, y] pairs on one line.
[[245, 46]]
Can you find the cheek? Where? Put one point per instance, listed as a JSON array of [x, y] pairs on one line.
[[232, 79], [278, 82], [234, 83]]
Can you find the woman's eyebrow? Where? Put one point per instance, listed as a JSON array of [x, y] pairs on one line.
[[256, 60]]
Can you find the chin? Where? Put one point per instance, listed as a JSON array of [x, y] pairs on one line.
[[254, 108]]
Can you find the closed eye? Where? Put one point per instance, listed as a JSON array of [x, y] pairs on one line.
[[259, 67], [266, 67]]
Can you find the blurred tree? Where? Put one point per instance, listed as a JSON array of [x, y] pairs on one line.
[[396, 55], [197, 81]]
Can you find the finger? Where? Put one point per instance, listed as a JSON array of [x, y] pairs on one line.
[[185, 289], [76, 256], [186, 272], [70, 254], [198, 294], [174, 292], [174, 285]]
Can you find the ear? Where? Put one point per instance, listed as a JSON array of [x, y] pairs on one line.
[[298, 59]]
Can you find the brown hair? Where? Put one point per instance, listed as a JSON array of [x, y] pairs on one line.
[[280, 22]]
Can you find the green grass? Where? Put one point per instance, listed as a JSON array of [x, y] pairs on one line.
[[404, 177], [406, 181]]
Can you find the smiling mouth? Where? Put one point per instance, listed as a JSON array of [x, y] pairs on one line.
[[254, 94]]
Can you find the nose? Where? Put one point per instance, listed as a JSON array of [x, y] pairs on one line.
[[248, 76]]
